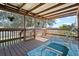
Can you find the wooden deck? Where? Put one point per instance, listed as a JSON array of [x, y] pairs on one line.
[[20, 49]]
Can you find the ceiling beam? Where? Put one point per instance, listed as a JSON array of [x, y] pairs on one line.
[[18, 8], [51, 7], [39, 5], [14, 10], [26, 10], [66, 15], [15, 6], [11, 5], [61, 9], [8, 8], [22, 5], [62, 12]]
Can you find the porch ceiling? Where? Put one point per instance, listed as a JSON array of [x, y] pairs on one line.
[[42, 10]]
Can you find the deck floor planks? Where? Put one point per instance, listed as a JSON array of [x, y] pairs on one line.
[[24, 49], [19, 49], [16, 49], [32, 44], [27, 46], [22, 46], [2, 53], [7, 52], [12, 51]]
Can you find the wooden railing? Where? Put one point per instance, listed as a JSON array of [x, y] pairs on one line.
[[40, 32], [60, 32], [54, 31], [30, 34], [10, 36]]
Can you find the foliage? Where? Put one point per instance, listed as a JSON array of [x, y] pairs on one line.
[[11, 18], [51, 22], [29, 21], [72, 29], [64, 26], [16, 21], [8, 21]]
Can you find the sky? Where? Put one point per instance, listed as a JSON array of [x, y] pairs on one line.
[[65, 20]]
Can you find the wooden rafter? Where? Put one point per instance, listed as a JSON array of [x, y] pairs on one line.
[[26, 11], [39, 5], [62, 9], [61, 16], [51, 7], [11, 5], [65, 15], [15, 10], [7, 8], [62, 12], [22, 5], [15, 6]]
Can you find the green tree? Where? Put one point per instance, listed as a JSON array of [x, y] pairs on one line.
[[51, 22], [64, 26], [72, 29]]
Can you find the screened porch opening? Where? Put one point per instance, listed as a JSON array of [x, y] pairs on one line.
[[26, 28]]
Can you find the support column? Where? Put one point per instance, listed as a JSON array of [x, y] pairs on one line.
[[78, 22], [35, 28], [44, 25], [78, 25], [24, 29], [45, 29]]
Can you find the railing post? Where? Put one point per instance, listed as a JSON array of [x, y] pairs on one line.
[[20, 35]]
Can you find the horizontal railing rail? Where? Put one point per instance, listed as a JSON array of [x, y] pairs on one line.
[[30, 34], [10, 36], [54, 31]]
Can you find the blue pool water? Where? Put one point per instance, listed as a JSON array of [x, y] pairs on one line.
[[38, 51]]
